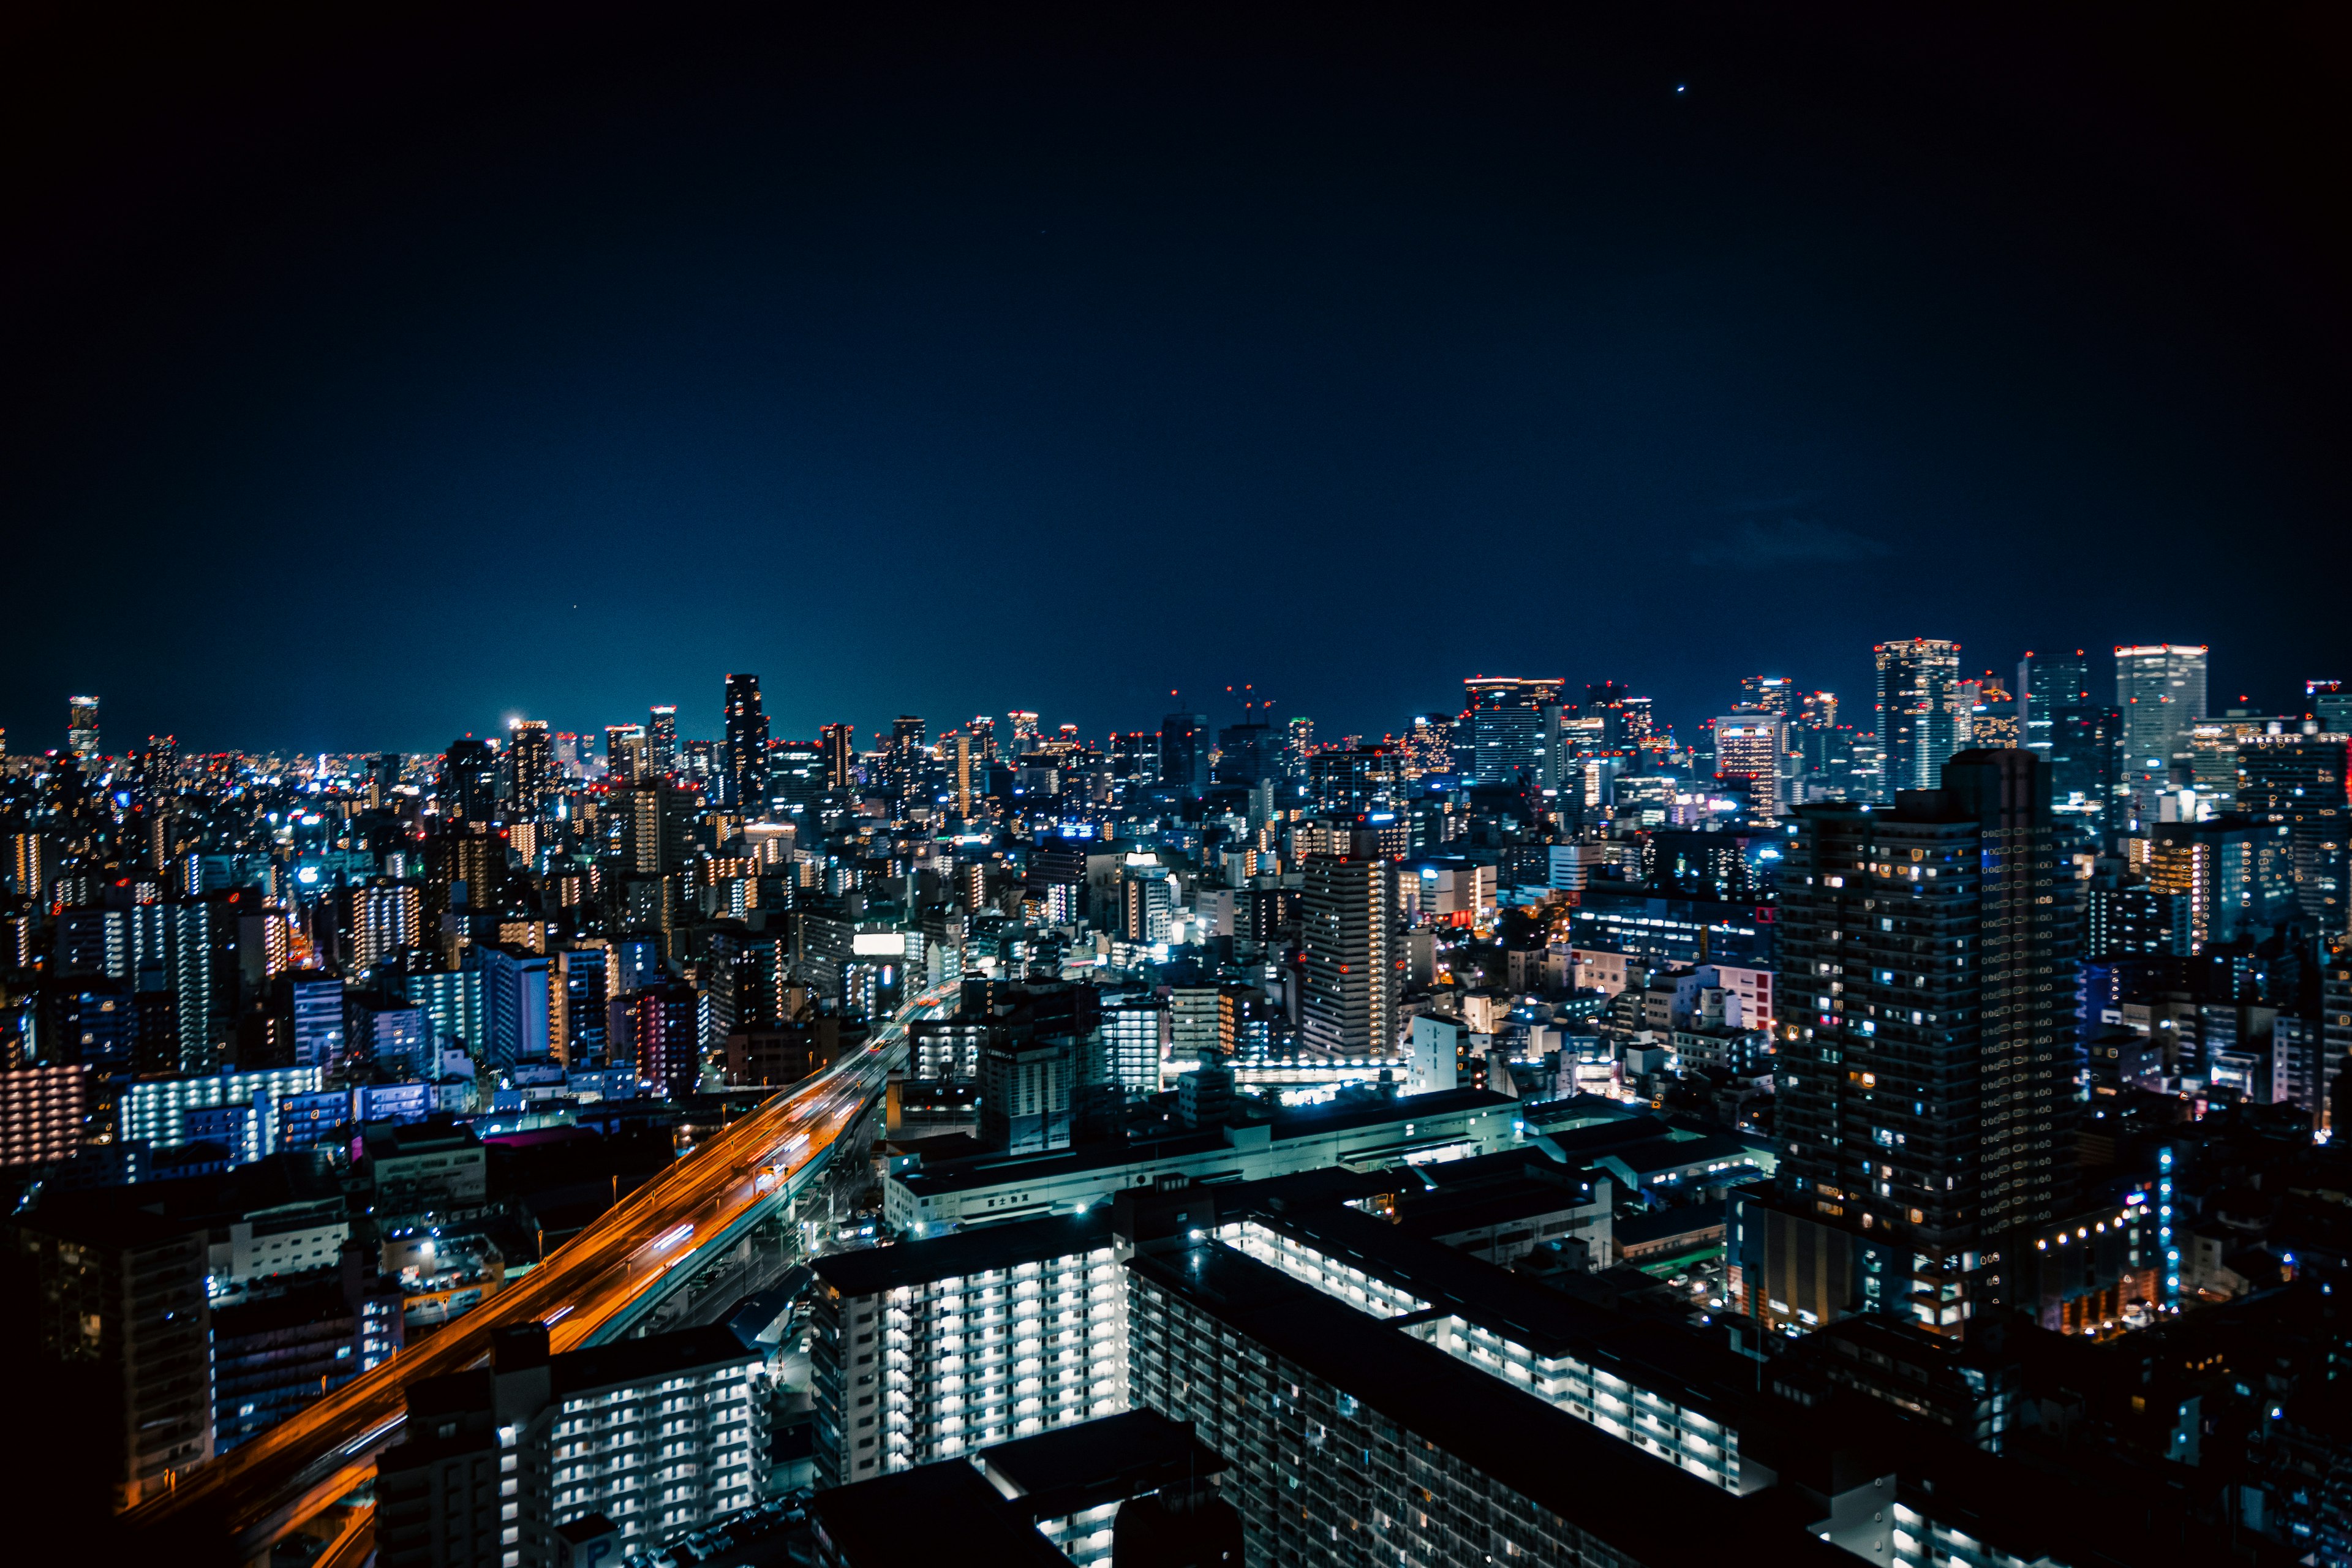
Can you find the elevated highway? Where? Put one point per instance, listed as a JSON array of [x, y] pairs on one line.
[[589, 1290]]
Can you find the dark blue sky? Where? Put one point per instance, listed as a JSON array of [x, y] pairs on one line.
[[371, 387]]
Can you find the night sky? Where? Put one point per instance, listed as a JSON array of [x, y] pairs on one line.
[[370, 381]]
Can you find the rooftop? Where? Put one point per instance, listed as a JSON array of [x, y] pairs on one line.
[[872, 1270]]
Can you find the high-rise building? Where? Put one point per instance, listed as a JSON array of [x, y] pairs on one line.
[[315, 1003], [1922, 717], [1753, 745], [661, 739], [1926, 1004], [2046, 683], [1026, 1085], [41, 1111], [2084, 746], [517, 1004], [122, 1301], [906, 752], [1769, 694], [1184, 750], [745, 778], [659, 827], [625, 751], [531, 765], [387, 918], [656, 1437], [469, 781], [1024, 730], [2329, 703], [1511, 729], [1353, 957], [840, 743], [1993, 713], [2299, 780], [1027, 1320], [2160, 687], [2237, 875], [81, 726]]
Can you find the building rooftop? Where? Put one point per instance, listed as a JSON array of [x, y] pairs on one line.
[[1545, 1455], [1070, 1468], [646, 1359], [872, 1270], [930, 1515]]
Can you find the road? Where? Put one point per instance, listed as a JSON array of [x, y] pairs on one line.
[[304, 1464]]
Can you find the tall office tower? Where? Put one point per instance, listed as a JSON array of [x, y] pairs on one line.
[[2299, 780], [387, 918], [840, 743], [2084, 750], [1993, 713], [1299, 745], [963, 765], [159, 769], [2160, 687], [382, 778], [81, 726], [1247, 752], [1184, 750], [532, 762], [1024, 730], [1921, 716], [1769, 694], [1513, 729], [746, 762], [2327, 702], [904, 754], [1353, 957], [1754, 745], [469, 781], [658, 1436], [625, 751], [983, 730], [2238, 875], [661, 739], [1817, 710], [2046, 683], [1927, 990], [933, 1348], [1133, 1024]]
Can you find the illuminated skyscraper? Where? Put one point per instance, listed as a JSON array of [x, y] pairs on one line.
[[661, 740], [81, 726], [625, 751], [744, 782], [1754, 745], [2160, 687], [1921, 720], [2045, 683], [386, 918], [1767, 693], [1024, 730], [904, 752], [1927, 988], [840, 743], [1512, 729], [532, 767], [1184, 750], [1353, 957], [468, 785]]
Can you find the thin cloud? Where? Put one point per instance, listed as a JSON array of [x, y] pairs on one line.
[[1790, 542]]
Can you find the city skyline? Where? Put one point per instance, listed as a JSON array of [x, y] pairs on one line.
[[793, 359]]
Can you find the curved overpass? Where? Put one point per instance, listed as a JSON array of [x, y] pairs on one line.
[[298, 1468]]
